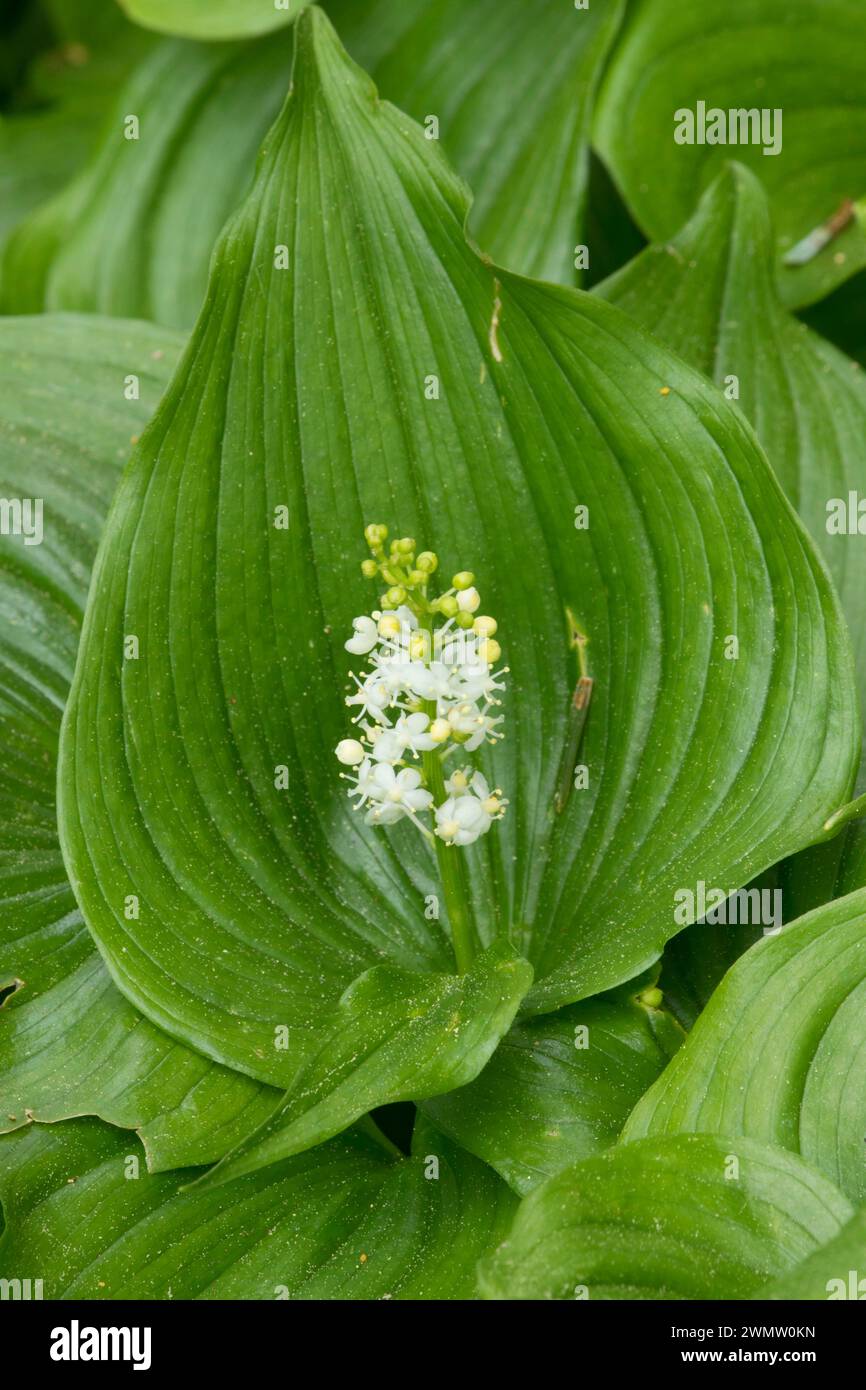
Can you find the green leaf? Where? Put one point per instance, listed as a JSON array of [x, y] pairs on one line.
[[393, 1036], [778, 1053], [65, 430], [258, 907], [345, 1221], [753, 55], [53, 126], [512, 86], [133, 234], [827, 1273], [81, 1049], [664, 1219], [213, 19], [70, 1043], [559, 1088], [710, 295]]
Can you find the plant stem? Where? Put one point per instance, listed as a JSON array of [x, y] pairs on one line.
[[451, 872], [451, 867]]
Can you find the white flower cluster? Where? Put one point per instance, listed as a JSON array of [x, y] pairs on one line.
[[428, 691]]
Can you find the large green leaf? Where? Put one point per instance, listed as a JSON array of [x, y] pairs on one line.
[[133, 234], [212, 19], [778, 1053], [512, 86], [66, 427], [560, 1088], [393, 1036], [827, 1273], [81, 1049], [350, 1220], [304, 387], [710, 295], [54, 124], [688, 1217], [69, 1042], [806, 60]]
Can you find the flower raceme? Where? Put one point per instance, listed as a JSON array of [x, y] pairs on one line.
[[429, 691]]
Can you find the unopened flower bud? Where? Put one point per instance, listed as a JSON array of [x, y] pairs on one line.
[[464, 580], [427, 562], [369, 569], [447, 605], [375, 536], [489, 650], [469, 600], [350, 752], [465, 620], [396, 596], [404, 546], [389, 626], [485, 627]]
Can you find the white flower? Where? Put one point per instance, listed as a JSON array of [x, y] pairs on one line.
[[410, 732], [363, 786], [350, 752], [396, 794], [373, 697], [428, 687], [476, 680], [365, 638], [431, 682], [485, 731], [493, 802], [461, 820], [464, 718]]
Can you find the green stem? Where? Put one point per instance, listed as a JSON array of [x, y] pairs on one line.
[[451, 872]]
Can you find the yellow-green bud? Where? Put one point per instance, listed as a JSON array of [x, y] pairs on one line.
[[396, 596], [465, 620], [485, 627], [419, 646], [417, 577], [404, 546], [427, 562], [369, 569], [652, 997], [489, 650], [464, 580], [375, 535], [447, 605]]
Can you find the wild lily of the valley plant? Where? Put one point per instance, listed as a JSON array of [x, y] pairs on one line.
[[348, 948]]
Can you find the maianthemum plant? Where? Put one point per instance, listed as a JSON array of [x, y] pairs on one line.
[[394, 636]]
